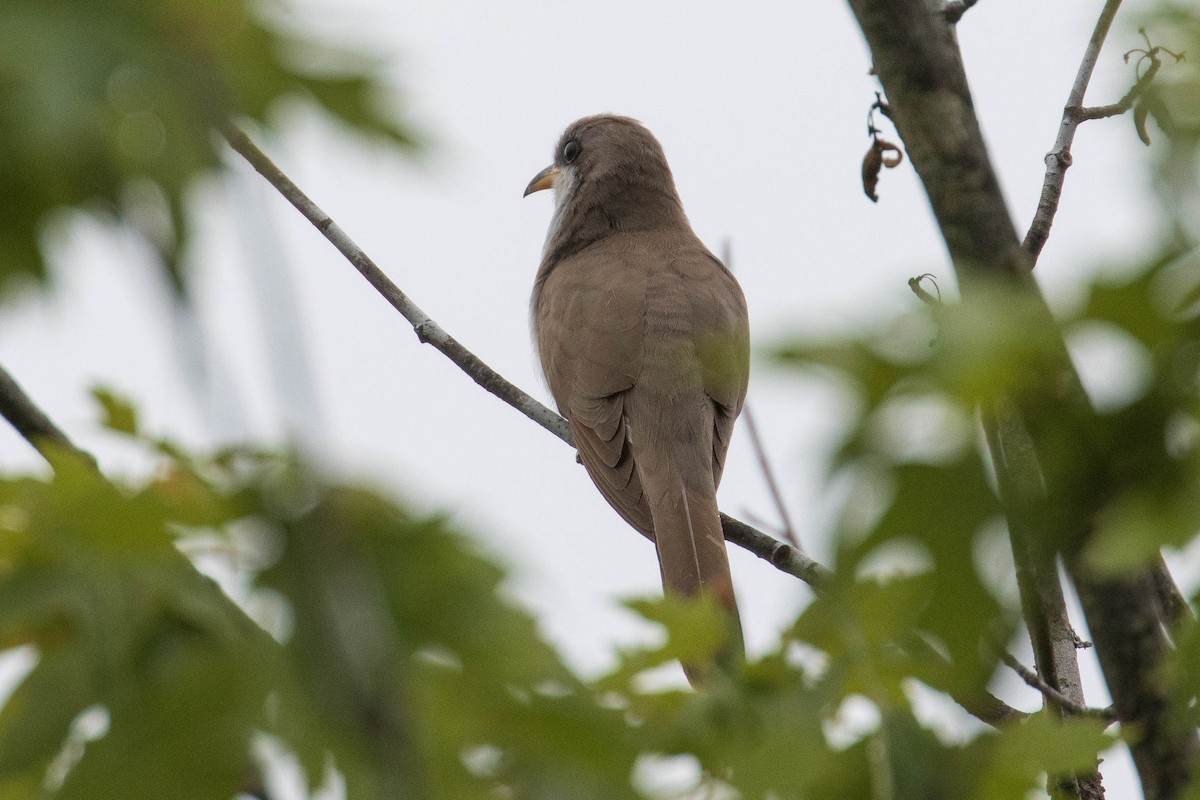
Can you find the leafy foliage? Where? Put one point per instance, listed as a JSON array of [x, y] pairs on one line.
[[113, 106], [398, 662]]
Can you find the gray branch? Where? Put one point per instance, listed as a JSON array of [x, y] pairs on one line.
[[764, 466], [1059, 158], [428, 331]]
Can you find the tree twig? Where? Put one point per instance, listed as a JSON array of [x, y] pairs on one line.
[[764, 465], [1059, 158], [782, 555], [756, 442], [1024, 500], [1043, 605]]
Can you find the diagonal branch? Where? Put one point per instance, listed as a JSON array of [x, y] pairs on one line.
[[1059, 158], [1025, 507]]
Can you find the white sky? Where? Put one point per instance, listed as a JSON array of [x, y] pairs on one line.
[[761, 108]]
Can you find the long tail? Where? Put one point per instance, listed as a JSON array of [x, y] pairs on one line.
[[691, 552]]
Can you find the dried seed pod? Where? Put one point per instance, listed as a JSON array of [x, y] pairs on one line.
[[872, 163], [882, 153], [1141, 111]]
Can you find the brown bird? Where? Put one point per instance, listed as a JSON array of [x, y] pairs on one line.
[[643, 338]]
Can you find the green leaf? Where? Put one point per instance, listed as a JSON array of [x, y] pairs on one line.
[[119, 413], [697, 630]]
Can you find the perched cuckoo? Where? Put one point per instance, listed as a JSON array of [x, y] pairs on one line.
[[644, 341]]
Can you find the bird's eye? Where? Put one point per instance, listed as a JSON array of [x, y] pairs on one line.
[[571, 151]]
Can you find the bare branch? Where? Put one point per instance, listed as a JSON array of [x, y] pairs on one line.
[[768, 474], [1025, 504], [781, 555], [1059, 158], [789, 532], [1043, 605]]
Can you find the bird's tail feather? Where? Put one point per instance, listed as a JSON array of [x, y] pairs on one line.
[[693, 560]]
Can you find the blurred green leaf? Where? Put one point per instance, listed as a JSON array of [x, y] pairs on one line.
[[1017, 757], [697, 631], [119, 413], [35, 720], [110, 106]]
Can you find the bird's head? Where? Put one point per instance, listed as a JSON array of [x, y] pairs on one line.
[[609, 175]]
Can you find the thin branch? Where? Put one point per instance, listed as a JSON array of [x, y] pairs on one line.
[[768, 474], [781, 555], [1053, 695], [1059, 158], [31, 422]]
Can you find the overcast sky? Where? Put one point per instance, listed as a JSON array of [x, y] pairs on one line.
[[761, 109]]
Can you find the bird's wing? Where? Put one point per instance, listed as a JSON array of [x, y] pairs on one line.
[[722, 336], [588, 318]]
